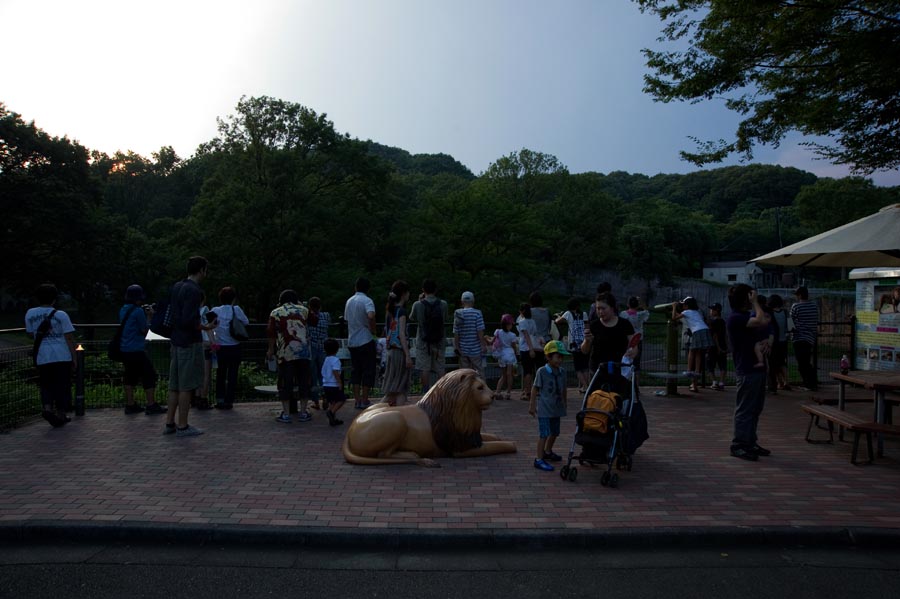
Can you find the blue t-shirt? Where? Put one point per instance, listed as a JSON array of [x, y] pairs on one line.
[[551, 402], [134, 333]]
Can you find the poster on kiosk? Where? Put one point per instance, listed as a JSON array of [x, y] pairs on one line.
[[877, 318]]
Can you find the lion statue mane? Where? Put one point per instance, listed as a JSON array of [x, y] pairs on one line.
[[445, 422]]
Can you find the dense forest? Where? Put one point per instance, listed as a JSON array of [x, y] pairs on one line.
[[280, 199]]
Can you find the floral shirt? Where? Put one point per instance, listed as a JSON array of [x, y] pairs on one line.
[[287, 325]]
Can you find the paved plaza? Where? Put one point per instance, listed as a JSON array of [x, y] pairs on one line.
[[249, 472]]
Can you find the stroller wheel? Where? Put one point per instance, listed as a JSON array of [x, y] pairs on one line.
[[604, 479], [614, 481], [564, 472], [573, 475]]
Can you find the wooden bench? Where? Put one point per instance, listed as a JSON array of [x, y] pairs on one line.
[[832, 400], [850, 422]]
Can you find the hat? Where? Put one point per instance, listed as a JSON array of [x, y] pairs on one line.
[[468, 296], [686, 299], [555, 347], [716, 306], [134, 293], [507, 319]]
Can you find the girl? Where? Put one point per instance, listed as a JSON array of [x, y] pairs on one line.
[[399, 362], [210, 346], [576, 320], [701, 338], [527, 348], [506, 346]]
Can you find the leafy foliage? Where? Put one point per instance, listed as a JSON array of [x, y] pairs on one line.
[[823, 67]]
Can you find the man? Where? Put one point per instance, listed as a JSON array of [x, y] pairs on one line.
[[187, 363], [430, 313], [468, 334], [359, 312], [747, 325], [805, 315]]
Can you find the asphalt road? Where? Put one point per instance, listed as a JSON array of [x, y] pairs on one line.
[[217, 572]]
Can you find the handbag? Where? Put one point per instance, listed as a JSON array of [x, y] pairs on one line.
[[237, 329], [114, 349]]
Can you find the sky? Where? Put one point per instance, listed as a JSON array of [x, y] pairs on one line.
[[476, 79]]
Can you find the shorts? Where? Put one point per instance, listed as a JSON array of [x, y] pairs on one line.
[[473, 362], [548, 427], [528, 366], [362, 361], [334, 395], [430, 358], [580, 359], [138, 369], [186, 368]]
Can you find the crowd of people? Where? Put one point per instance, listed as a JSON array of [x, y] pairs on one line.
[[308, 368]]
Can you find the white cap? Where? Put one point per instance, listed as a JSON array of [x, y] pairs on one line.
[[468, 296]]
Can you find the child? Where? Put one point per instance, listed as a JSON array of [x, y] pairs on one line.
[[550, 384], [208, 319], [637, 317], [717, 355], [701, 339], [761, 348], [577, 322], [506, 346], [332, 382]]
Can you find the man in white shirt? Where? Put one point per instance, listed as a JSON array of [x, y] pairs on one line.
[[359, 312]]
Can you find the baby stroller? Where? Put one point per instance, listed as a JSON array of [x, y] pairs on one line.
[[611, 424]]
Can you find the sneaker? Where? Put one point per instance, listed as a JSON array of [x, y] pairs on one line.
[[188, 431], [154, 408], [204, 405], [542, 465], [304, 417], [552, 457], [314, 405], [761, 451], [744, 454], [169, 430], [134, 409], [284, 418]]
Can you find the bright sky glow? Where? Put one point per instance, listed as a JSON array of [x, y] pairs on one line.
[[476, 79]]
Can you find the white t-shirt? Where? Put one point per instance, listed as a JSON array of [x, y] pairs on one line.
[[527, 324], [693, 319], [637, 319], [356, 313], [54, 347], [223, 327], [331, 364]]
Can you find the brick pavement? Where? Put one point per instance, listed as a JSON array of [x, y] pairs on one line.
[[250, 470]]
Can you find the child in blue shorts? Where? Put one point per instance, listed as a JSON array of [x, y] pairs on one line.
[[548, 402], [332, 382]]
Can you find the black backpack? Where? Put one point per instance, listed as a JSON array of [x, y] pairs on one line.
[[433, 322], [39, 335]]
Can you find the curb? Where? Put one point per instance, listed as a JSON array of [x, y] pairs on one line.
[[35, 531]]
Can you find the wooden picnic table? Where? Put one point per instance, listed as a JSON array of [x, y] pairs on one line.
[[877, 381]]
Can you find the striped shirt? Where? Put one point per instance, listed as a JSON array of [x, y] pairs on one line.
[[806, 321], [468, 326]]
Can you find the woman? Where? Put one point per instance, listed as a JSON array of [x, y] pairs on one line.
[[528, 348], [55, 356], [607, 339], [229, 352], [399, 361], [576, 320], [138, 367]]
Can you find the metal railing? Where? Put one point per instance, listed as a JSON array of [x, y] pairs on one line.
[[20, 397]]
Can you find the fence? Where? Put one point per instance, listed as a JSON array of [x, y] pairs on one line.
[[20, 398]]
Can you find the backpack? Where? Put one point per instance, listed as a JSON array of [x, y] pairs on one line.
[[497, 344], [114, 349], [598, 421], [39, 335], [433, 323], [163, 318]]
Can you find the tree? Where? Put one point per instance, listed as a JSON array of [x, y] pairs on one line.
[[821, 67], [830, 203]]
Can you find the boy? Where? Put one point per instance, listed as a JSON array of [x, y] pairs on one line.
[[332, 382], [717, 355], [550, 384]]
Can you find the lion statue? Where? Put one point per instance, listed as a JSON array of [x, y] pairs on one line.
[[445, 422]]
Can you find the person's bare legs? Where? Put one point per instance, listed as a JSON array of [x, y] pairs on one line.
[[171, 407], [184, 407], [129, 395]]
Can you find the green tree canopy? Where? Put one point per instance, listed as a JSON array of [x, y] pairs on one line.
[[821, 67]]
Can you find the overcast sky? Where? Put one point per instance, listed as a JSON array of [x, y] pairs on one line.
[[476, 79]]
